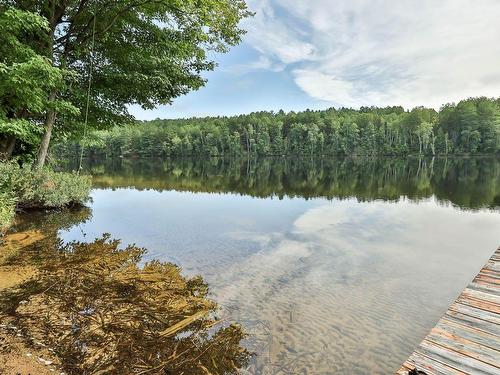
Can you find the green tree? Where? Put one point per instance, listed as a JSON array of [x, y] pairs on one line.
[[369, 140], [350, 137], [25, 78], [489, 124], [425, 136], [145, 52]]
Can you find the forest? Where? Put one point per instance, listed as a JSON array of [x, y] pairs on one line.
[[471, 126]]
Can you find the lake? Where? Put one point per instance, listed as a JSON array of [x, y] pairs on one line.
[[330, 266]]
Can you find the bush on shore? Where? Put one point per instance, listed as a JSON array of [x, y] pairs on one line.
[[7, 210], [26, 188]]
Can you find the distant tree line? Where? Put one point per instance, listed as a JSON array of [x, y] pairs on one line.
[[471, 126]]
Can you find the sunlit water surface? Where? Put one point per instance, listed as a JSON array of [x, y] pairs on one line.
[[347, 281]]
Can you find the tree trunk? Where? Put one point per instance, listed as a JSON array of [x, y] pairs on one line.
[[7, 147], [247, 142], [50, 119], [50, 116]]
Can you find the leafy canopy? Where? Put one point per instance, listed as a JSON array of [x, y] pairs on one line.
[[25, 75], [146, 52]]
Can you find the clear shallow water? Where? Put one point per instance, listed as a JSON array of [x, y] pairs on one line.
[[330, 266]]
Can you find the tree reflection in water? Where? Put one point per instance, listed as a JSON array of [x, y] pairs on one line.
[[102, 312], [468, 183]]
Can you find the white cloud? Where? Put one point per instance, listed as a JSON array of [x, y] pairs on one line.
[[381, 52], [262, 63], [328, 88], [272, 36]]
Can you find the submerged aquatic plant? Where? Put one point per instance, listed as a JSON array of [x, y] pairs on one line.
[[104, 313]]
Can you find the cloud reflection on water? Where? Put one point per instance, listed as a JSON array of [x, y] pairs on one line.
[[352, 287]]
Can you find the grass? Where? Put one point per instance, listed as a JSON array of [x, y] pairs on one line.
[[23, 188]]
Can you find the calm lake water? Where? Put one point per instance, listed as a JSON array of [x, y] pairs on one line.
[[331, 266]]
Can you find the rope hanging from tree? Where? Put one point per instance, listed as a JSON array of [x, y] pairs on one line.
[[91, 66]]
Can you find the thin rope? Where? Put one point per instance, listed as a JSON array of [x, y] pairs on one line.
[[91, 66]]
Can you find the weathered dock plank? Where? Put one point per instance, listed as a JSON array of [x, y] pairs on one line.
[[466, 340]]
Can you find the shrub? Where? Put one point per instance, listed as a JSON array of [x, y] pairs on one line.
[[7, 210], [25, 188]]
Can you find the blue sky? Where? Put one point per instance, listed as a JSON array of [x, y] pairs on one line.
[[300, 54]]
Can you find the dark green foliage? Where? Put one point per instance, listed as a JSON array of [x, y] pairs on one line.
[[7, 210], [145, 53], [472, 126], [467, 182], [25, 188], [26, 76], [133, 52]]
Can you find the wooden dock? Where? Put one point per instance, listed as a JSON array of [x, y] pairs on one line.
[[467, 338]]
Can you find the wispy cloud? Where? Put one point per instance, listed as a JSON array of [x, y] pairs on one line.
[[381, 52], [262, 63], [276, 36]]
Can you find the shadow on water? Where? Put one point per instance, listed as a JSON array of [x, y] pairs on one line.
[[468, 183], [102, 311]]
